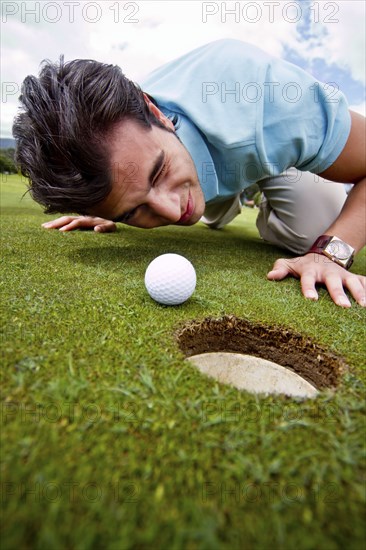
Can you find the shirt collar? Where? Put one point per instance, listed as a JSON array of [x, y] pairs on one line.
[[194, 142]]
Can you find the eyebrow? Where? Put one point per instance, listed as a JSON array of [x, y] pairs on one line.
[[159, 161]]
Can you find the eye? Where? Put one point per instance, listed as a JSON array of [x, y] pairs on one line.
[[126, 217], [163, 169], [129, 215]]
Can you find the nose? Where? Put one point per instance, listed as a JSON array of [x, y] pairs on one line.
[[165, 205]]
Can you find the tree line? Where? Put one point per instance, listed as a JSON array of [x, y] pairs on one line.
[[7, 162]]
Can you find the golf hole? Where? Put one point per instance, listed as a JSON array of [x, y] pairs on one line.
[[258, 358]]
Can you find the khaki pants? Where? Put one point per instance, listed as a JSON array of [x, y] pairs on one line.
[[296, 208]]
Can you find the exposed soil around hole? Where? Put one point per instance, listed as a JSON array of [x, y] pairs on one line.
[[290, 349]]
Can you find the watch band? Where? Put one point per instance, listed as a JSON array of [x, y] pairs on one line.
[[320, 243], [325, 244]]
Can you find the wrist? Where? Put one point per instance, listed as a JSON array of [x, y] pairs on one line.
[[335, 249]]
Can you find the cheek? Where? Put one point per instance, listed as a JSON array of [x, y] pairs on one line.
[[201, 205]]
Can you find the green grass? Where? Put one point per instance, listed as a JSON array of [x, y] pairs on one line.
[[110, 440]]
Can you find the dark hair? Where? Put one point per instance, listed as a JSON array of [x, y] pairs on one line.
[[62, 132]]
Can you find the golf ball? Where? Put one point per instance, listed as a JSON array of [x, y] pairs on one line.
[[170, 279]]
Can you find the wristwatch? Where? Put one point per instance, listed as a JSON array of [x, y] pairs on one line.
[[334, 248]]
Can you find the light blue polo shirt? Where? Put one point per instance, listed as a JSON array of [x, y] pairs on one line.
[[244, 115]]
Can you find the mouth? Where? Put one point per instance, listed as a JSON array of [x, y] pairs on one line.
[[189, 210]]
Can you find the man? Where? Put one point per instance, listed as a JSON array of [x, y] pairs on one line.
[[205, 127]]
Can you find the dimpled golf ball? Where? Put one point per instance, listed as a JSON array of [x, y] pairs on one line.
[[170, 279]]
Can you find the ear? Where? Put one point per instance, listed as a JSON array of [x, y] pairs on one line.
[[158, 114]]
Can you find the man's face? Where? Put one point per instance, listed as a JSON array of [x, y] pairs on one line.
[[155, 182]]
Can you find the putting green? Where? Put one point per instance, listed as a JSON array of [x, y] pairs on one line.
[[111, 439]]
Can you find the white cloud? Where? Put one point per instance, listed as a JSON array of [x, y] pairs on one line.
[[338, 35], [346, 40], [141, 35], [360, 108]]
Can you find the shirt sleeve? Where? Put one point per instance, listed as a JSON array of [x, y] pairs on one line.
[[305, 123]]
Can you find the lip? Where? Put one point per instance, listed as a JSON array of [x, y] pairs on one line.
[[189, 210]]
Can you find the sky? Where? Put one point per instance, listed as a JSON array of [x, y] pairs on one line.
[[325, 38]]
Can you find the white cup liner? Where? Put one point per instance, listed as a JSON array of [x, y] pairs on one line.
[[253, 374]]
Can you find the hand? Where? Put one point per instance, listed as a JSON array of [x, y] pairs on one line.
[[315, 268], [70, 223]]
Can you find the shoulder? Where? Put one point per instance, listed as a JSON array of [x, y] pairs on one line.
[[221, 54], [229, 49], [230, 44]]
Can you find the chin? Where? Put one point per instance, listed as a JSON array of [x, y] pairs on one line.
[[195, 219]]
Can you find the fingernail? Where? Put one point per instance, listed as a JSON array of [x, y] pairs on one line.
[[311, 294], [343, 302], [363, 302]]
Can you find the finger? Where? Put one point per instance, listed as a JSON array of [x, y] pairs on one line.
[[279, 271], [335, 288], [59, 222], [356, 285], [308, 281], [78, 223], [108, 227]]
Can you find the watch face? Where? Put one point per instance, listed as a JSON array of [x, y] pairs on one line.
[[339, 249]]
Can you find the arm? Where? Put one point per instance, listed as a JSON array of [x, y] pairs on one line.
[[350, 167], [350, 226]]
